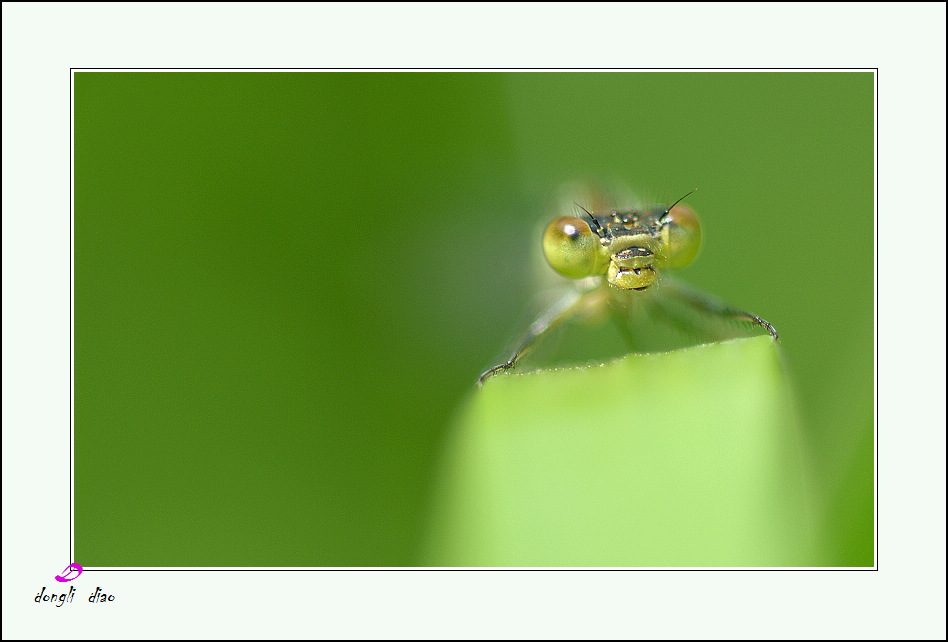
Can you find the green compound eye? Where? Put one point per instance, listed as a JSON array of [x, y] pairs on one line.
[[681, 235], [571, 248]]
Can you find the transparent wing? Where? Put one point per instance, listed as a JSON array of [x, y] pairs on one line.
[[605, 323], [574, 312], [595, 196], [673, 315]]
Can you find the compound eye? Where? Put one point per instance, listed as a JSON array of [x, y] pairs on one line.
[[571, 247], [681, 234]]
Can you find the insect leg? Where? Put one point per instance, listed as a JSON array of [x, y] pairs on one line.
[[563, 309], [709, 304]]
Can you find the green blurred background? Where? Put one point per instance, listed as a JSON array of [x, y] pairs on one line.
[[286, 283]]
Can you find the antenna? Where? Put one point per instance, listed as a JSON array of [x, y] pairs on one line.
[[680, 200], [592, 218]]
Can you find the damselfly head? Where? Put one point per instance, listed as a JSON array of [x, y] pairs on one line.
[[628, 247]]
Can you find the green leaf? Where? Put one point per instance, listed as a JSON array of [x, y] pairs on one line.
[[686, 458]]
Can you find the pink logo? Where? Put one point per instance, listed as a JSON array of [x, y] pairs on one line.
[[70, 573]]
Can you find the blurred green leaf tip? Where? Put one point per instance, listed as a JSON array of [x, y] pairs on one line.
[[686, 458]]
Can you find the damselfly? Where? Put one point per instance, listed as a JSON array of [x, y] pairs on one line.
[[625, 301]]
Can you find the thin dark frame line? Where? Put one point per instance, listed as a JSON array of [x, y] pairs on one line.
[[478, 69], [875, 70], [462, 568], [876, 436], [70, 320]]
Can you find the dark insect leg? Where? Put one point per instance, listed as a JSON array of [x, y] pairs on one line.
[[563, 309], [705, 303]]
